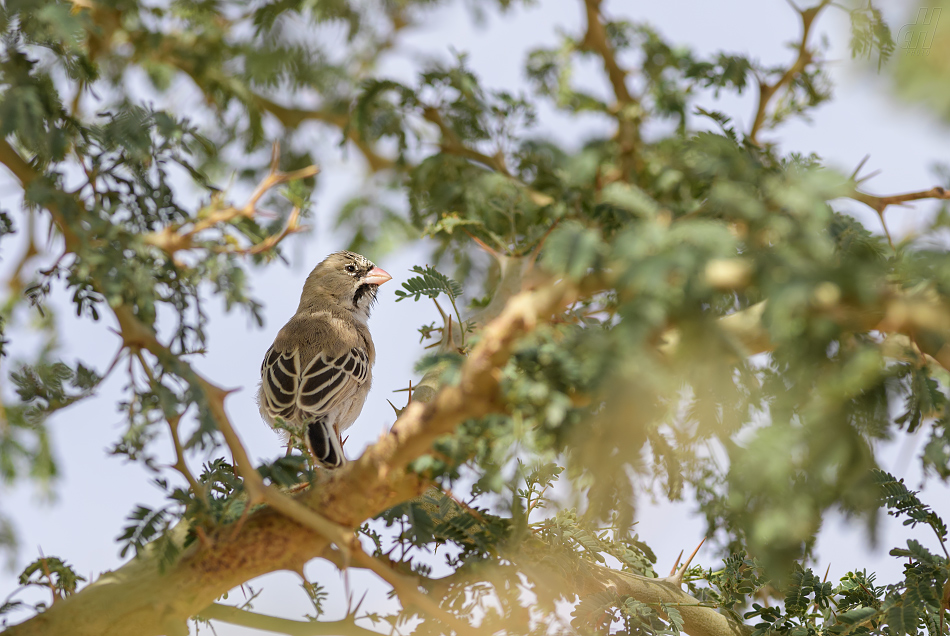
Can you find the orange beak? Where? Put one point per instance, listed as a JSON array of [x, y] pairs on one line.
[[376, 276]]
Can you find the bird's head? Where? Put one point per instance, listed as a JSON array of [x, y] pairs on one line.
[[346, 279]]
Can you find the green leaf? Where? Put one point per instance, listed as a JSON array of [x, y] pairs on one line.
[[572, 250], [431, 283], [145, 525], [857, 615], [869, 33], [902, 501], [51, 572], [902, 619]]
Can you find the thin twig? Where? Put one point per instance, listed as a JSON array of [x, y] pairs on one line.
[[407, 589], [595, 39], [291, 117], [253, 620], [292, 227], [487, 248], [461, 504], [453, 145], [804, 58], [173, 238], [49, 578], [880, 203], [173, 421]]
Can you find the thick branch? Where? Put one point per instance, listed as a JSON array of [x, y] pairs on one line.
[[138, 599]]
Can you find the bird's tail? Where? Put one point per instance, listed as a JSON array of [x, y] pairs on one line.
[[325, 444]]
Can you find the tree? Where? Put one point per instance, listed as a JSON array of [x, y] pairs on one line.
[[682, 307]]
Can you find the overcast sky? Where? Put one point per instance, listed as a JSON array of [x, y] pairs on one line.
[[86, 510]]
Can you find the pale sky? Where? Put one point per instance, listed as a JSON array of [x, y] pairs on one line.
[[88, 505]]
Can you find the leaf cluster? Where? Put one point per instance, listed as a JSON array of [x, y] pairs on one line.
[[671, 226]]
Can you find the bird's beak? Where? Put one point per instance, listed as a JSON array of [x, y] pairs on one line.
[[376, 276]]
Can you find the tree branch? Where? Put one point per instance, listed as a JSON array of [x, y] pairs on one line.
[[26, 174], [291, 227], [698, 619], [292, 117], [253, 620], [767, 91], [407, 589], [139, 599], [880, 203], [173, 238], [173, 420], [289, 117], [451, 144], [920, 315], [595, 39], [627, 109]]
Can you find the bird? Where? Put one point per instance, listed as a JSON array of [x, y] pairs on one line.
[[317, 374]]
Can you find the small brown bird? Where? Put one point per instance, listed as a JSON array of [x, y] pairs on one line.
[[316, 375]]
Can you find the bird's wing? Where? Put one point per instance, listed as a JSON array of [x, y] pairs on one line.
[[280, 378], [327, 381], [312, 366]]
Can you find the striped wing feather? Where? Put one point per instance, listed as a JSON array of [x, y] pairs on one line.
[[280, 379], [318, 388], [326, 381]]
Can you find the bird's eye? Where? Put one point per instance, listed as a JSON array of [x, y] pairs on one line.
[[350, 268]]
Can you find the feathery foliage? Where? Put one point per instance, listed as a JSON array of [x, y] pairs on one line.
[[678, 308]]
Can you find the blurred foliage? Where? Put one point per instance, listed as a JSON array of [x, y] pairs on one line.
[[856, 604], [923, 56], [120, 118]]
